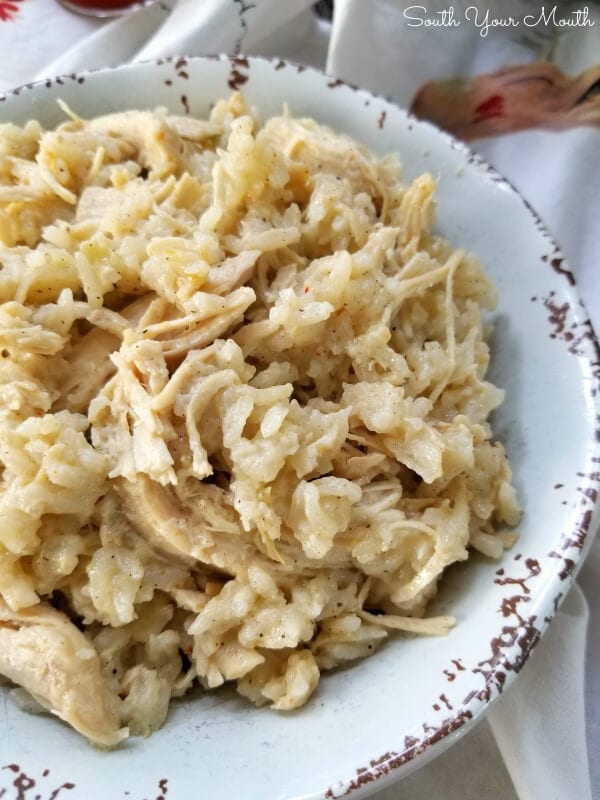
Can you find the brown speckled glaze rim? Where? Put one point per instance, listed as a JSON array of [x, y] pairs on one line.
[[521, 632]]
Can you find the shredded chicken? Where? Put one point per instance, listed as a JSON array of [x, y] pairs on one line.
[[42, 651], [243, 411]]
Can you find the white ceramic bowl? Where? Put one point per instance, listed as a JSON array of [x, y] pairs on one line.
[[381, 718]]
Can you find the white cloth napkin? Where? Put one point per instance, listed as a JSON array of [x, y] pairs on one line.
[[379, 44]]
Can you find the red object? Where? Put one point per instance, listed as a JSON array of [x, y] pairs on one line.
[[103, 8], [8, 8], [103, 4]]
